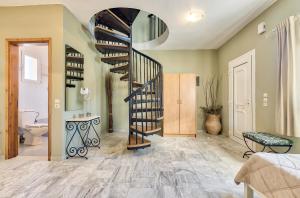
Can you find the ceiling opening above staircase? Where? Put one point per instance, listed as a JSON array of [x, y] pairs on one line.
[[148, 30]]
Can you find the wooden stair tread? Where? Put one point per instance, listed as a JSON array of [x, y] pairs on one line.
[[138, 109], [77, 69], [119, 19], [137, 84], [146, 93], [148, 100], [75, 78], [115, 59], [139, 144], [124, 77], [127, 15], [70, 85], [148, 130], [147, 119], [109, 35], [109, 19], [120, 69], [111, 48]]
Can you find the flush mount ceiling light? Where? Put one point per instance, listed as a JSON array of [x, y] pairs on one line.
[[195, 15]]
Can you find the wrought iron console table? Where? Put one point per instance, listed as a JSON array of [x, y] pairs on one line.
[[82, 134]]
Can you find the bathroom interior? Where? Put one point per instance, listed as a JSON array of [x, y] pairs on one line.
[[33, 100]]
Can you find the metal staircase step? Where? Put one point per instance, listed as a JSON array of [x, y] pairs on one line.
[[124, 77], [137, 84], [111, 48], [146, 130], [136, 142], [125, 14], [104, 34], [115, 59], [146, 93], [149, 100], [120, 69], [148, 109], [147, 119], [75, 78], [70, 85], [111, 20]]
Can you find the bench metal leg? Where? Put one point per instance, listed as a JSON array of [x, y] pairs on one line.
[[250, 152], [265, 145], [272, 150], [248, 192]]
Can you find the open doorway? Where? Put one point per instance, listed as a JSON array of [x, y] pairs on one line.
[[28, 91]]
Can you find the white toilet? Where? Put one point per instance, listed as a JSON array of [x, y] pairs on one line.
[[32, 131]]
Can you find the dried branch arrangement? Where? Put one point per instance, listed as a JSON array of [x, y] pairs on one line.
[[108, 86], [211, 88]]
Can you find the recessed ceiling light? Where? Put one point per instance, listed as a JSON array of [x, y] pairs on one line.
[[195, 15]]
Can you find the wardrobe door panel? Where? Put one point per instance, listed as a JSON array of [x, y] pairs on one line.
[[187, 104], [171, 104]]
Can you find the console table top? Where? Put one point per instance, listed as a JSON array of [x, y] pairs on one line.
[[83, 119]]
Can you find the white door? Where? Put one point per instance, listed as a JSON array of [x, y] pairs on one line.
[[241, 99]]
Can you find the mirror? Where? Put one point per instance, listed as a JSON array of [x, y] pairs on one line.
[[74, 70]]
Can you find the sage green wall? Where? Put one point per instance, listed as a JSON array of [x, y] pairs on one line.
[[141, 28], [265, 46], [36, 22], [94, 70], [201, 62], [204, 63], [62, 27]]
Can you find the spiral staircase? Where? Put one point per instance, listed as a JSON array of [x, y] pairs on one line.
[[113, 32]]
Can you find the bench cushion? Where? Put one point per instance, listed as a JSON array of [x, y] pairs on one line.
[[267, 139]]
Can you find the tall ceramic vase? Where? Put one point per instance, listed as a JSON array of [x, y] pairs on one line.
[[213, 124]]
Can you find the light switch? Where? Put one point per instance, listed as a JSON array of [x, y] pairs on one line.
[[265, 99], [56, 103]]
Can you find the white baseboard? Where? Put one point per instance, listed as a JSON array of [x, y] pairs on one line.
[[120, 130], [57, 158]]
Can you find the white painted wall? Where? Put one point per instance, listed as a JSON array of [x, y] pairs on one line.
[[34, 95]]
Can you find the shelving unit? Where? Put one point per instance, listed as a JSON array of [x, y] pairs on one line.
[[74, 68]]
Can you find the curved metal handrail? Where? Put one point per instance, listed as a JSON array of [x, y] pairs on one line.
[[146, 84]]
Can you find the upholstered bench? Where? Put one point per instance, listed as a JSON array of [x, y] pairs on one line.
[[267, 140]]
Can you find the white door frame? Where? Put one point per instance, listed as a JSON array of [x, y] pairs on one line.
[[232, 64]]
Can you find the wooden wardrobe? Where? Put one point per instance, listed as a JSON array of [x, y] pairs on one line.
[[180, 104]]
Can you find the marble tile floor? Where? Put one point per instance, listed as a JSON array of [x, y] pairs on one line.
[[173, 167], [37, 150]]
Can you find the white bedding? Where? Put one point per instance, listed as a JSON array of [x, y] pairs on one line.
[[273, 175]]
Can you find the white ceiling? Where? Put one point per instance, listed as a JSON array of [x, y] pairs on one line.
[[224, 18]]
